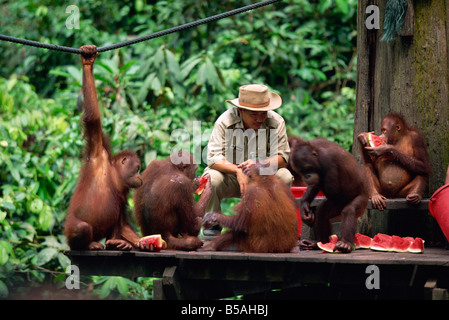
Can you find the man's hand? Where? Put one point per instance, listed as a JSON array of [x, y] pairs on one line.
[[248, 164], [242, 179], [89, 54]]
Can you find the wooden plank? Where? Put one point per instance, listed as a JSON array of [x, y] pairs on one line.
[[431, 256], [122, 263], [171, 285], [402, 204], [211, 275], [391, 204]]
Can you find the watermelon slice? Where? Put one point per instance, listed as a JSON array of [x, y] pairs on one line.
[[401, 244], [417, 246], [155, 240], [373, 140], [330, 246], [381, 242], [362, 241], [203, 181], [326, 247]]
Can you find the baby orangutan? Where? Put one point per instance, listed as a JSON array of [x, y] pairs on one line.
[[265, 219]]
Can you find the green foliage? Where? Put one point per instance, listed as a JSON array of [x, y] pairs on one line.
[[38, 146], [303, 49]]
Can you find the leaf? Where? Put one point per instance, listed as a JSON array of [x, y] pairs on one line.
[[36, 205], [75, 73], [188, 65], [20, 196], [201, 75], [172, 65], [211, 73], [165, 123], [108, 66], [8, 205], [15, 174], [145, 87], [150, 156], [325, 4], [29, 233], [306, 74], [64, 261], [11, 83], [45, 255], [127, 66], [161, 135], [107, 287], [138, 5], [46, 218], [5, 250], [156, 86], [122, 286], [3, 290], [343, 6], [159, 56]]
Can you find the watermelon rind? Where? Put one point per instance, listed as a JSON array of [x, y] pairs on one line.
[[326, 247], [329, 246], [379, 248]]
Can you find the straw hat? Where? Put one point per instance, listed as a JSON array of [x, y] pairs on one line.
[[256, 97]]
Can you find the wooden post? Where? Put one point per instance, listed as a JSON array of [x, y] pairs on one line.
[[409, 75]]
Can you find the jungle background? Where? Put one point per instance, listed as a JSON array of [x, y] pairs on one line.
[[303, 49]]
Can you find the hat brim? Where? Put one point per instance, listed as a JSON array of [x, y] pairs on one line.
[[275, 102]]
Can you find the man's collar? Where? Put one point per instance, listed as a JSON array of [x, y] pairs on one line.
[[235, 120]]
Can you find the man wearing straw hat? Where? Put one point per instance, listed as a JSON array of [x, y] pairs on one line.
[[248, 132]]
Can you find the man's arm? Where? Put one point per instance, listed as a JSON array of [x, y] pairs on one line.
[[230, 168]]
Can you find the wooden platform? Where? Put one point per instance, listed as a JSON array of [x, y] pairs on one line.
[[391, 204], [299, 275], [302, 274]]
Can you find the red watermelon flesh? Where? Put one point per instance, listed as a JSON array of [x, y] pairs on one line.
[[417, 246], [333, 239], [155, 240], [373, 140], [362, 241], [203, 181], [381, 242], [399, 244]]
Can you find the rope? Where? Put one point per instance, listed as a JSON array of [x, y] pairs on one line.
[[40, 44], [143, 38]]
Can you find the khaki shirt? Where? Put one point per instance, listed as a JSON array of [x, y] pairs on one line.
[[230, 140]]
